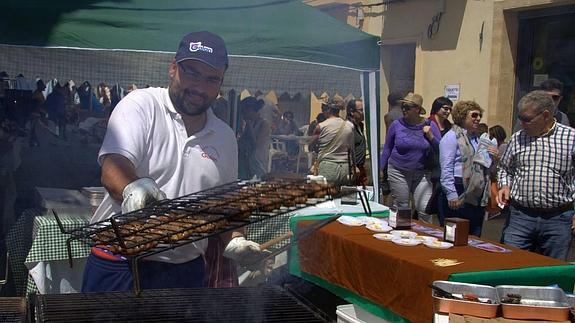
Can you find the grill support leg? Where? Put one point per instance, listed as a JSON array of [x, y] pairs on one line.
[[136, 276]]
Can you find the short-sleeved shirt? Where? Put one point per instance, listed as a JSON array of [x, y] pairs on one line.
[[146, 129], [329, 130], [540, 171]]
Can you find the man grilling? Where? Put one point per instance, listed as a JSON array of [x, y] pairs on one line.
[[165, 143]]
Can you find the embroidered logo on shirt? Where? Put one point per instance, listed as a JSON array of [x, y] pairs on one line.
[[209, 152]]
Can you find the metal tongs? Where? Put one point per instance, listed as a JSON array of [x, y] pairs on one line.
[[253, 276], [300, 234], [310, 229], [440, 292], [443, 293]]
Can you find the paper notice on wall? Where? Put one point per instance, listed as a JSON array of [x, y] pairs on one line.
[[452, 92], [539, 78]]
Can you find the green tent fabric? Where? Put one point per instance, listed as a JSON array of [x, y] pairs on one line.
[[267, 40], [263, 28]]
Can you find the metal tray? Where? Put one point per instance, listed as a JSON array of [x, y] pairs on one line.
[[571, 300], [479, 309], [537, 303]]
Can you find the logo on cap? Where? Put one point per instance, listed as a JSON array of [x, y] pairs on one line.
[[194, 47]]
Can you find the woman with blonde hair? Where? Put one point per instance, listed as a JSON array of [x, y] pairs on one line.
[[465, 182]]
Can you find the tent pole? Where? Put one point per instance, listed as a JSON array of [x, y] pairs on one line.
[[369, 90]]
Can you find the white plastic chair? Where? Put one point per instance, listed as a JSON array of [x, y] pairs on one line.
[[306, 155], [277, 150]]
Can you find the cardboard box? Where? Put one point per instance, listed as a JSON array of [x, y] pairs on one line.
[[456, 231]]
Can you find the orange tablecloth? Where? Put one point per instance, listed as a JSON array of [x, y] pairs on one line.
[[396, 277]]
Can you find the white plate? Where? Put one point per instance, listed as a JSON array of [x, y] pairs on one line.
[[349, 220], [404, 233], [439, 244], [426, 239], [370, 219], [384, 236], [379, 227], [406, 242]]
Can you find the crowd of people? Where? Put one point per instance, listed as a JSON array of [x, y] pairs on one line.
[[335, 139], [466, 169], [443, 168], [54, 105]]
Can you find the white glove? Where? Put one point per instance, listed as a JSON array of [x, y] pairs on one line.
[[243, 251], [139, 193], [257, 275]]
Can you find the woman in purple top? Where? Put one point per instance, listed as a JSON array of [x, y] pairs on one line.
[[409, 141]]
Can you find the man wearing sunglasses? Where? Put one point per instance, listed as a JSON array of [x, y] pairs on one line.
[[166, 143], [537, 178], [554, 88]]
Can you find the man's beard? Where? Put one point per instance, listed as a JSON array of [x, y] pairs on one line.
[[178, 97]]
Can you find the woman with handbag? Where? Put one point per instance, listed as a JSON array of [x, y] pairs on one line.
[[407, 145], [465, 183]]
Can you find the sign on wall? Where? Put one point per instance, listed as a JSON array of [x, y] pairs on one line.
[[539, 78], [452, 92]]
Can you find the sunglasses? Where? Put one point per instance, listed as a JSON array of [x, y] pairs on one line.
[[528, 120], [476, 115], [194, 75], [446, 108], [406, 107], [556, 97]]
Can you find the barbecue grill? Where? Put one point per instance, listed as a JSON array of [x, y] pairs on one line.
[[262, 304], [169, 224], [12, 309]]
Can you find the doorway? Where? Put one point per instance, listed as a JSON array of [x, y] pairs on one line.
[[400, 69], [545, 50]]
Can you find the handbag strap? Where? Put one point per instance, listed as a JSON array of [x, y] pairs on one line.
[[332, 142]]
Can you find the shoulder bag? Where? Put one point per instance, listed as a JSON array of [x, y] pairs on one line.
[[314, 169]]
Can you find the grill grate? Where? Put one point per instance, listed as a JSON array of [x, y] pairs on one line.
[[173, 223], [12, 309], [261, 304], [264, 231]]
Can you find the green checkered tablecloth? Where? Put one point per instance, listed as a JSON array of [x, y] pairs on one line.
[[36, 237], [18, 243], [49, 243]]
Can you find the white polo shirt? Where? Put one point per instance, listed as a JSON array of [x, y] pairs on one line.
[[146, 128]]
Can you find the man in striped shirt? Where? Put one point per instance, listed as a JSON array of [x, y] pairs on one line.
[[537, 179]]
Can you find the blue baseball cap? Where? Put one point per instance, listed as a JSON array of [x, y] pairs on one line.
[[205, 47]]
